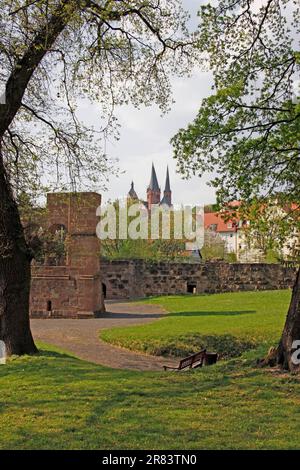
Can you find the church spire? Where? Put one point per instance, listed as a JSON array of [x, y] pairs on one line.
[[153, 185], [153, 190], [167, 199], [132, 194], [167, 185]]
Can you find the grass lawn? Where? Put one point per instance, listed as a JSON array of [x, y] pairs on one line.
[[55, 401], [228, 323]]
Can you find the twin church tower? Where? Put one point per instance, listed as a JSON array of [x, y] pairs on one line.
[[154, 193]]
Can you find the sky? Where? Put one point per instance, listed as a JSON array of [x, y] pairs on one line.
[[145, 138]]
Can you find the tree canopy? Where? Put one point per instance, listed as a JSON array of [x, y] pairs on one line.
[[248, 131], [58, 54]]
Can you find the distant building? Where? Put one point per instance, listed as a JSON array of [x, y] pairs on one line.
[[230, 231], [154, 192], [242, 239], [132, 194]]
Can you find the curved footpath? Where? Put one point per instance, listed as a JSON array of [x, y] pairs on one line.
[[81, 337]]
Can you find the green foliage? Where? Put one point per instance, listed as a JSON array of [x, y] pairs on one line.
[[155, 250], [272, 256], [248, 131], [214, 248], [231, 257], [211, 208], [273, 225], [48, 246], [53, 248], [150, 249], [215, 252], [57, 55]]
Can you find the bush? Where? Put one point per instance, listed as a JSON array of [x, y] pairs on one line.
[[231, 258], [272, 256]]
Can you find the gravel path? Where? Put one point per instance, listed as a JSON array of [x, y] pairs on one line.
[[81, 337]]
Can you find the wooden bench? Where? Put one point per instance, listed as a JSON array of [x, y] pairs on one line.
[[191, 362]]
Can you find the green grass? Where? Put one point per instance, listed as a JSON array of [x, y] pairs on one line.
[[228, 323], [55, 401]]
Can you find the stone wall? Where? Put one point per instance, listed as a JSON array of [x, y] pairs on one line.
[[74, 289], [137, 278], [64, 292]]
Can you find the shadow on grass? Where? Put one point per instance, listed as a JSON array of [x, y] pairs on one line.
[[54, 354], [212, 313], [130, 316]]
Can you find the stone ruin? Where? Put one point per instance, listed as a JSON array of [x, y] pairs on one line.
[[72, 288]]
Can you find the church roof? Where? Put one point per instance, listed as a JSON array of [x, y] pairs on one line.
[[132, 194], [153, 185], [165, 201], [167, 185]]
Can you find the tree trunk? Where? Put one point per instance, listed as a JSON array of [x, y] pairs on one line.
[[14, 253], [291, 331], [14, 275]]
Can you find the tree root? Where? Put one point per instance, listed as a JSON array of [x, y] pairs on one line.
[[271, 359]]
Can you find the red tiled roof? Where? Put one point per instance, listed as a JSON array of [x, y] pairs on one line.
[[212, 219]]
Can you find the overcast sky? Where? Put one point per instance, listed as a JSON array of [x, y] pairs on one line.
[[145, 138]]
